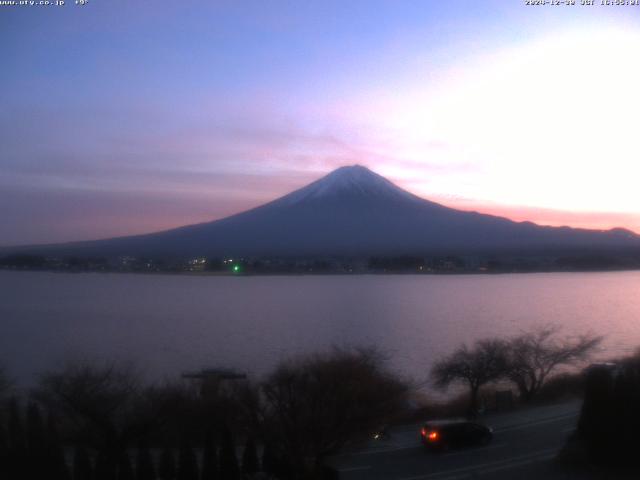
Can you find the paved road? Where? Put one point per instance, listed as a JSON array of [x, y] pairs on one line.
[[524, 443]]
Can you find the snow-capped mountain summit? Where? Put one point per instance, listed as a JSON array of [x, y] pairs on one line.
[[352, 211], [350, 181]]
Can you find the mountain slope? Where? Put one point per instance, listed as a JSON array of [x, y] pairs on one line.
[[353, 211]]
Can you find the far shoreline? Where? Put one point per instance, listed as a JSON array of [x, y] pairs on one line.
[[319, 274]]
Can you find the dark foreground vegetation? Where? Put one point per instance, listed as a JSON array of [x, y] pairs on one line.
[[526, 361], [101, 422], [606, 440]]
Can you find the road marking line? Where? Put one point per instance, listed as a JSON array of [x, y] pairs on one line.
[[475, 450], [417, 446], [353, 469], [413, 446], [508, 466], [474, 468], [533, 424], [518, 464]]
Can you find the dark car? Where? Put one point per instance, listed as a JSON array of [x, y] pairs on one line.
[[445, 434]]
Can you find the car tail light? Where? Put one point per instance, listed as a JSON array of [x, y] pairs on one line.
[[433, 436], [423, 432]]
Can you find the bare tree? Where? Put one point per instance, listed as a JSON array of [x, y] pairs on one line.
[[533, 356], [315, 406], [475, 367], [103, 406]]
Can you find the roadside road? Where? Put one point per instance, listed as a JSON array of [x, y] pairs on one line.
[[524, 443]]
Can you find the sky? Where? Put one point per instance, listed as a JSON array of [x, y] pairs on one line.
[[121, 117]]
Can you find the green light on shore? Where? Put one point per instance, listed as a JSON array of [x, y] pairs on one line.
[[236, 268]]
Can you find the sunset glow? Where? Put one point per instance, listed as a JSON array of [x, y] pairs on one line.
[[126, 118]]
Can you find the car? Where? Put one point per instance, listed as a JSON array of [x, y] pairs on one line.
[[442, 435]]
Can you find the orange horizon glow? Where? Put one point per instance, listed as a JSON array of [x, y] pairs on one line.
[[554, 218]]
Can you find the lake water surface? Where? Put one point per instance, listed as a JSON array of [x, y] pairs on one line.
[[170, 323]]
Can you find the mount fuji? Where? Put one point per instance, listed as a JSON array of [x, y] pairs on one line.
[[352, 211]]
